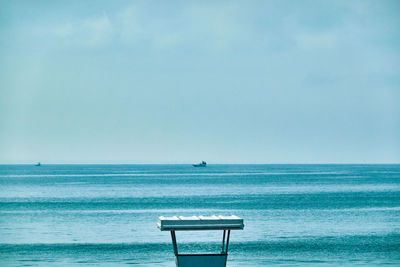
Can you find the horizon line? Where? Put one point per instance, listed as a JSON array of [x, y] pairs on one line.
[[225, 163]]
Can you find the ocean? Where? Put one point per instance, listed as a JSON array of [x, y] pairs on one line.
[[106, 215]]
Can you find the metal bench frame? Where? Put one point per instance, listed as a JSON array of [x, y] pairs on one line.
[[209, 260]]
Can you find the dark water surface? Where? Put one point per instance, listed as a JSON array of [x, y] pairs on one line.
[[297, 215]]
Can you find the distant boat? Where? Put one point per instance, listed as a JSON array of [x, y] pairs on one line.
[[202, 164], [38, 164]]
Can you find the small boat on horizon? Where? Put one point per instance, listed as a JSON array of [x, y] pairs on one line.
[[38, 164], [202, 164]]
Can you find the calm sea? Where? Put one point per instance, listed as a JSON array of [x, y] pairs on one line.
[[105, 215]]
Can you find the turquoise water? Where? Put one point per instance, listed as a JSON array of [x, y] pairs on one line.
[[105, 215]]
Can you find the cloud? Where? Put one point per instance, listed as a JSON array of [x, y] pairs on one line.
[[136, 25], [310, 41], [217, 26], [64, 31], [95, 31], [208, 26]]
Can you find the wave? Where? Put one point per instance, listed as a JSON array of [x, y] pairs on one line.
[[130, 174], [192, 210], [355, 243]]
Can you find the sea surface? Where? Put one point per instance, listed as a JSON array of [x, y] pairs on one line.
[[106, 215]]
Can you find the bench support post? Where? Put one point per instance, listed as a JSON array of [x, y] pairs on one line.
[[173, 237]]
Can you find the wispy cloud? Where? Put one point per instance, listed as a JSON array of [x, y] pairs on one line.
[[214, 26], [95, 31]]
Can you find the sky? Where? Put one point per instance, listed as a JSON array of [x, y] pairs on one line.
[[184, 81]]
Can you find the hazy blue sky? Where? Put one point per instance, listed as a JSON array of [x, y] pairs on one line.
[[185, 81]]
